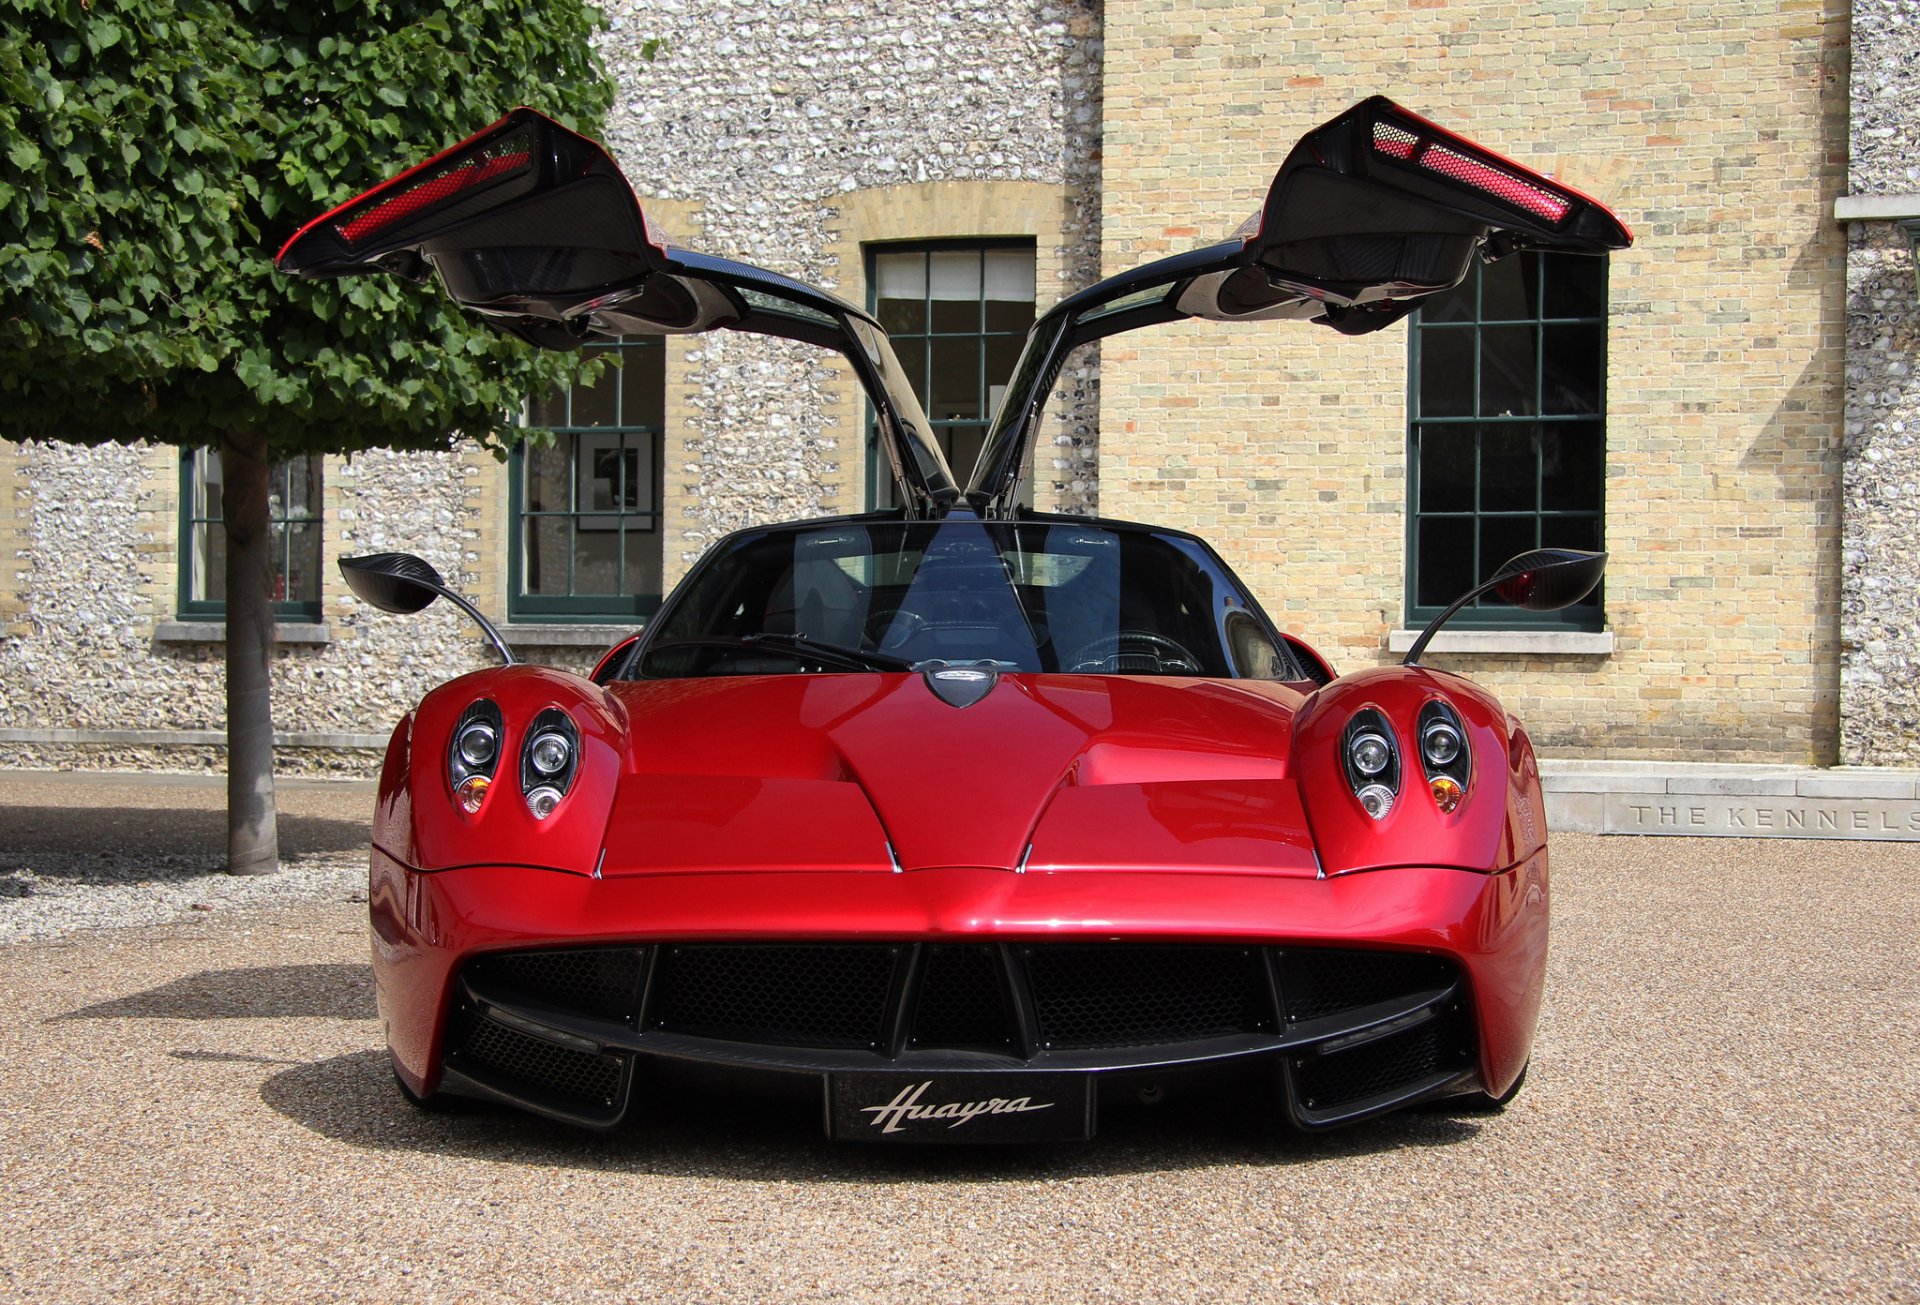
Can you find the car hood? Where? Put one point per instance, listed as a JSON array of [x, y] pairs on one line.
[[876, 772]]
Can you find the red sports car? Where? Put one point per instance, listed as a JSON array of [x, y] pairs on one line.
[[961, 819]]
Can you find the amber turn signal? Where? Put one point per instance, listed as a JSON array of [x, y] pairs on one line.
[[472, 792], [1446, 792]]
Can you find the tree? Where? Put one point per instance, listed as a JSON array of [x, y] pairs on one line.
[[157, 154]]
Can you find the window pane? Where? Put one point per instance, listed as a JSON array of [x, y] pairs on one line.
[[1003, 351], [206, 484], [962, 446], [953, 278], [1509, 289], [1576, 286], [955, 380], [597, 404], [1507, 468], [1570, 381], [302, 484], [1455, 305], [1571, 473], [302, 580], [1446, 373], [1506, 371], [642, 386], [1446, 469], [900, 291], [1009, 289], [547, 473], [548, 410], [606, 474], [546, 559], [1445, 563], [596, 557], [913, 361], [1570, 532], [1503, 538], [209, 563], [643, 559]]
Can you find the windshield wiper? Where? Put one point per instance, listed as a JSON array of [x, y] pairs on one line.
[[857, 658]]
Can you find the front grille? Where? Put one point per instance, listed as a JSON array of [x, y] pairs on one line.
[[796, 996], [1130, 996], [598, 981], [1315, 983], [963, 1001], [525, 1062], [1386, 1065]]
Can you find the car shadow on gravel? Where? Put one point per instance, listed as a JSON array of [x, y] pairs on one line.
[[338, 992], [352, 1099]]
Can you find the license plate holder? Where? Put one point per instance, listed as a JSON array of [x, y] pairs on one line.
[[977, 1106]]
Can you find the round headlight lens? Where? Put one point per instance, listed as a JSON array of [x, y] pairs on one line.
[[550, 752], [1440, 743], [1370, 754], [1377, 799], [543, 800], [478, 743], [472, 792]]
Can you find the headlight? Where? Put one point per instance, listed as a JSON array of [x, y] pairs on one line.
[[549, 761], [473, 754], [1444, 754], [1371, 761]]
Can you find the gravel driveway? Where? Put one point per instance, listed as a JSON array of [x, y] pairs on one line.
[[1724, 1105]]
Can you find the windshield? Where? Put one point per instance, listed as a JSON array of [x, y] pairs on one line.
[[1061, 596]]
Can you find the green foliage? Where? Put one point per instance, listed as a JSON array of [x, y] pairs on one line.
[[159, 152]]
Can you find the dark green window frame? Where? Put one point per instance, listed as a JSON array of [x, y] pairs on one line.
[[917, 342], [1506, 432], [575, 433], [196, 525]]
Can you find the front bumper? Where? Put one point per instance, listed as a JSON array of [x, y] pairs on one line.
[[464, 1012]]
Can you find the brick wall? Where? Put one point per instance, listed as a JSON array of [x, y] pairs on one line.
[[1718, 132]]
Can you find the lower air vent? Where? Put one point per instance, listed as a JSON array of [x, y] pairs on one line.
[[1390, 1065], [603, 982], [1317, 983], [796, 996], [1128, 996], [963, 1001], [523, 1062]]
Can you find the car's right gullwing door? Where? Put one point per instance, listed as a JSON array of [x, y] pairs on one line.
[[1368, 216]]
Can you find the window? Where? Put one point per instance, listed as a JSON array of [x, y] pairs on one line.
[[1507, 431], [587, 508], [957, 314], [293, 507]]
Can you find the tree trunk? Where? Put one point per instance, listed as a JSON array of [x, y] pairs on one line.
[[253, 833]]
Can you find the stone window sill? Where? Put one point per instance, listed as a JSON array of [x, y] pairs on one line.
[[538, 634], [1514, 643], [216, 632]]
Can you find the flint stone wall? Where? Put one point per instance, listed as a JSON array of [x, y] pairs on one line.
[[1880, 590]]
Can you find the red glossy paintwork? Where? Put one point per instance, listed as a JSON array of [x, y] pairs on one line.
[[1143, 808], [1495, 925]]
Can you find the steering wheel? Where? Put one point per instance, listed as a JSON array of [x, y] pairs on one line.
[[1111, 653]]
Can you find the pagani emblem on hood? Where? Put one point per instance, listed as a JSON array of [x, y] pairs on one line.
[[960, 686]]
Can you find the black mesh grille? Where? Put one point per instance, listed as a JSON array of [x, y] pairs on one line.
[[1126, 996], [798, 996], [963, 1001], [600, 981], [1388, 1064], [578, 1076], [1317, 983]]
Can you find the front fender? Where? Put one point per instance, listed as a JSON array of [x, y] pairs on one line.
[[504, 831], [1498, 822]]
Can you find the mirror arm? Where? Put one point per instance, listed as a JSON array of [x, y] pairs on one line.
[[1433, 626], [486, 626]]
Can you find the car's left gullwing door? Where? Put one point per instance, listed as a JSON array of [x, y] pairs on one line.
[[1369, 214], [535, 228]]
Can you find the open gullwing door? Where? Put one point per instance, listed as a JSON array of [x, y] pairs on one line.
[[535, 228], [1368, 215]]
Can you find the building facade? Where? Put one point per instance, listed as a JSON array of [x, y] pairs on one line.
[[1700, 405]]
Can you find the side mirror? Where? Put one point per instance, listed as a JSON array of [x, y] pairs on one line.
[[1542, 580], [404, 584]]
